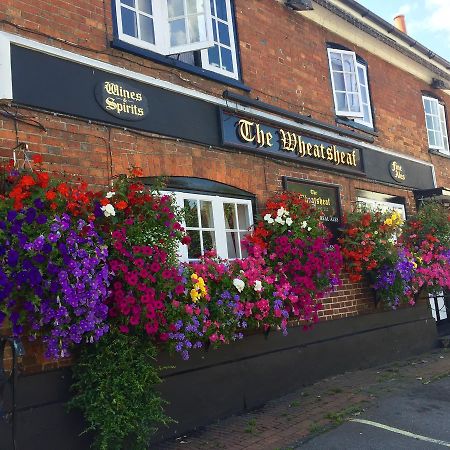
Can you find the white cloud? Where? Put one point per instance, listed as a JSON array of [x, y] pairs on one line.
[[439, 15]]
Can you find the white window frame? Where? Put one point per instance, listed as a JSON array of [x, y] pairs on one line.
[[204, 53], [441, 120], [351, 114], [220, 231], [162, 30], [378, 205], [364, 84]]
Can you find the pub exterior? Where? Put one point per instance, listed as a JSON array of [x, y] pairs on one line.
[[231, 101]]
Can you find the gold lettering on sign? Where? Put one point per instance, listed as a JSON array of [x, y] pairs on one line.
[[397, 171], [122, 100], [251, 132]]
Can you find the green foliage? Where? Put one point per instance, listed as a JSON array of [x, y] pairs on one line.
[[435, 220], [115, 387]]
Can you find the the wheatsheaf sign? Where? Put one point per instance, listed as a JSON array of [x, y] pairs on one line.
[[284, 143], [121, 100]]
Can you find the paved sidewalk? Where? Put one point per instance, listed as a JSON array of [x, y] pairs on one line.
[[287, 422]]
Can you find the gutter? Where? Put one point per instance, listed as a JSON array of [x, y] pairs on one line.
[[391, 29]]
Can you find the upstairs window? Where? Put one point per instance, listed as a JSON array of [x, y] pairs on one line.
[[196, 32], [436, 125], [350, 86]]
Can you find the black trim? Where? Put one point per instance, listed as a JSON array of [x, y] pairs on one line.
[[203, 186], [433, 151], [148, 54], [356, 125], [291, 115]]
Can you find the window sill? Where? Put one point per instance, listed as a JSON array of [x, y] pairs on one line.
[[356, 126], [120, 45], [432, 151]]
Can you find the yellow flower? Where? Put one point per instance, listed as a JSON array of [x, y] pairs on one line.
[[388, 222], [194, 276]]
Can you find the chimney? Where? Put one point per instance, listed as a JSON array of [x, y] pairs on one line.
[[400, 23]]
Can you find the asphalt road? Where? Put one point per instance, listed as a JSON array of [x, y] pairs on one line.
[[416, 418]]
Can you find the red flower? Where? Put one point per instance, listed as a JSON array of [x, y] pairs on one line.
[[27, 181], [121, 205], [186, 240], [37, 159], [63, 189], [50, 195], [43, 179]]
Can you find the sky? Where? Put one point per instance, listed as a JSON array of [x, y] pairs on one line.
[[427, 21]]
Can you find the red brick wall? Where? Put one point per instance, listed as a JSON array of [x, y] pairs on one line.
[[284, 61]]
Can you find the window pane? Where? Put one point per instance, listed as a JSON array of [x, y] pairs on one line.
[[209, 240], [175, 8], [190, 213], [129, 25], [213, 56], [221, 9], [178, 33], [361, 75], [341, 99], [227, 59], [194, 248], [338, 79], [243, 217], [224, 34], [244, 252], [438, 138], [336, 61], [145, 6], [194, 6], [429, 121], [350, 83], [431, 139], [214, 27], [206, 214], [349, 64], [427, 105], [436, 124], [364, 94], [128, 2], [146, 28], [233, 245], [434, 108], [366, 113], [197, 28], [230, 216], [353, 101]]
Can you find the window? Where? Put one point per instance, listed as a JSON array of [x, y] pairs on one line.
[[350, 86], [221, 58], [378, 205], [196, 32], [165, 26], [214, 222], [436, 124]]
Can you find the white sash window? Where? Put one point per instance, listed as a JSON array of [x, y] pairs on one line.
[[436, 124]]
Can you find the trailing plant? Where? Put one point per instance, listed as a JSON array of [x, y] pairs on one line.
[[115, 386]]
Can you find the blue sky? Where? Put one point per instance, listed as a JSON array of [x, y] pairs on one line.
[[427, 21]]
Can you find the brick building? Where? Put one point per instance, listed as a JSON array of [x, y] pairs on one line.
[[232, 100]]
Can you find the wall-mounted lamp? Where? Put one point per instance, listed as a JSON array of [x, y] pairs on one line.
[[299, 5]]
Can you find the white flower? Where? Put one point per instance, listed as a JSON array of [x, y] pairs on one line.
[[238, 284], [279, 220], [309, 228], [108, 210], [304, 224], [280, 212], [258, 286], [268, 218], [110, 194], [288, 221]]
